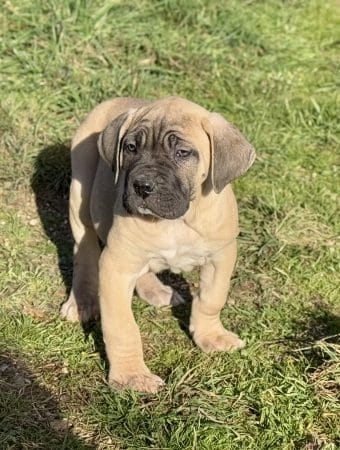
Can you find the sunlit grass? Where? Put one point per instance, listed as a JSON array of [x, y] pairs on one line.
[[272, 68]]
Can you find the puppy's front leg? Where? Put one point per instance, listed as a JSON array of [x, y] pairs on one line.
[[205, 324], [121, 334]]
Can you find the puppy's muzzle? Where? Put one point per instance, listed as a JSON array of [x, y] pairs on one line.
[[155, 191]]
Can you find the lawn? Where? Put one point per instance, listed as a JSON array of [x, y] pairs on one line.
[[271, 67]]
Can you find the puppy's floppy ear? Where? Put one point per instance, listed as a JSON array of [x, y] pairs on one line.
[[231, 153], [110, 140]]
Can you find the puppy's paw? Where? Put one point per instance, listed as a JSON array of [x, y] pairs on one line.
[[225, 341], [158, 295], [82, 311], [163, 296], [141, 382]]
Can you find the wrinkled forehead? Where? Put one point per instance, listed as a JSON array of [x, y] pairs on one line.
[[181, 117]]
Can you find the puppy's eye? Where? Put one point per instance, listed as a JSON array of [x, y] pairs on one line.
[[129, 147], [183, 153]]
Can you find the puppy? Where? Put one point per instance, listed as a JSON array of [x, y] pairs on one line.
[[151, 180]]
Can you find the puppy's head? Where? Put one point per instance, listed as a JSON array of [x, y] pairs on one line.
[[167, 150]]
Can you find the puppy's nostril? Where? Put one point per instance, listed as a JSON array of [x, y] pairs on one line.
[[143, 188]]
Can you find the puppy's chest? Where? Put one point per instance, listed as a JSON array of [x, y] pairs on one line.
[[181, 252]]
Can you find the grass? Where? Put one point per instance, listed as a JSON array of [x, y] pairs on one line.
[[271, 67]]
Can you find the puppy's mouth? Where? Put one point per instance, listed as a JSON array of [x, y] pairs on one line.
[[134, 206]]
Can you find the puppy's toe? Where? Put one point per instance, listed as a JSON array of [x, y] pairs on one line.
[[141, 382], [220, 342], [69, 310]]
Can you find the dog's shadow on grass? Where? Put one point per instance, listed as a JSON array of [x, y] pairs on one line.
[[29, 414], [180, 312], [321, 324], [50, 183], [315, 334]]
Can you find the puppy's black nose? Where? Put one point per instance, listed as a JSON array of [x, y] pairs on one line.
[[143, 187]]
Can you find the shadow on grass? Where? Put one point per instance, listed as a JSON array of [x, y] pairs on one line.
[[50, 183], [180, 312], [29, 414], [321, 323], [316, 336]]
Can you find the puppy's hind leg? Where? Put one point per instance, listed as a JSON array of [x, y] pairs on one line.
[[82, 303], [154, 292]]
